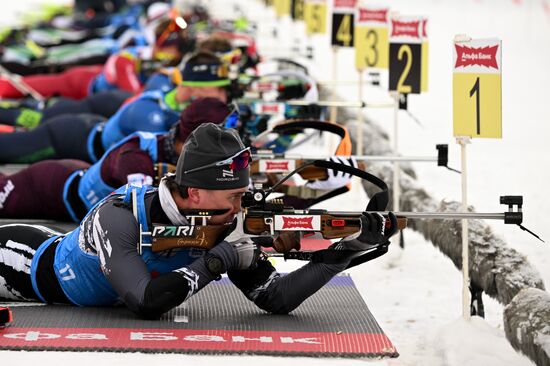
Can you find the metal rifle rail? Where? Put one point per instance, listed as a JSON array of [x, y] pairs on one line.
[[356, 157], [510, 217], [340, 104], [441, 159]]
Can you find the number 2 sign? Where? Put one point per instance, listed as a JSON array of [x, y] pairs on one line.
[[405, 57], [477, 88]]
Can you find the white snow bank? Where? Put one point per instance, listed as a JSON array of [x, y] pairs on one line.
[[474, 343]]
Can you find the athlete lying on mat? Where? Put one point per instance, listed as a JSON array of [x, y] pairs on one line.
[[98, 264], [66, 190], [152, 111]]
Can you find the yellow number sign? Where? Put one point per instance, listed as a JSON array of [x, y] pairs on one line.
[[424, 56], [371, 38], [477, 88], [282, 7], [315, 16], [297, 10]]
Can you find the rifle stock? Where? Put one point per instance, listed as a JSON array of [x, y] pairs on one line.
[[198, 237], [331, 226]]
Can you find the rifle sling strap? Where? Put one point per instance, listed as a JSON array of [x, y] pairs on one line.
[[331, 256]]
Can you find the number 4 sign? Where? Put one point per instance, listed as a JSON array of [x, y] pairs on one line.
[[342, 23], [477, 88]]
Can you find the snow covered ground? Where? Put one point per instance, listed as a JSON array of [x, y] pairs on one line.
[[415, 294]]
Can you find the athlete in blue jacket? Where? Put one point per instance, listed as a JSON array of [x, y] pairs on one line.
[[204, 75], [100, 264], [66, 190]]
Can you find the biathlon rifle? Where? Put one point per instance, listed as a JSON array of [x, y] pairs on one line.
[[265, 220], [266, 162]]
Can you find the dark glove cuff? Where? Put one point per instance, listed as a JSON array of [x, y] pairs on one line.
[[227, 255]]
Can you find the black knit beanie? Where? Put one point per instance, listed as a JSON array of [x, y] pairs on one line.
[[210, 143]]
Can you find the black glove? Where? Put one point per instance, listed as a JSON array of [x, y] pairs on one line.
[[377, 229], [238, 250]]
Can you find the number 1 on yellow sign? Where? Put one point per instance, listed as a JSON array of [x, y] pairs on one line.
[[477, 105]]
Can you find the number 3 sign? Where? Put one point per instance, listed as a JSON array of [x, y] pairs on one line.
[[371, 38], [477, 88]]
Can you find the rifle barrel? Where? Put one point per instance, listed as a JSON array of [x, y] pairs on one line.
[[450, 215], [433, 215], [357, 157]]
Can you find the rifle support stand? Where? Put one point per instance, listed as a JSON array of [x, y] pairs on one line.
[[476, 303]]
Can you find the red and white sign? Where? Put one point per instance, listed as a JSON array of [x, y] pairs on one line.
[[269, 108], [298, 222], [209, 340], [406, 29], [277, 166], [477, 56], [265, 86], [372, 17], [344, 6]]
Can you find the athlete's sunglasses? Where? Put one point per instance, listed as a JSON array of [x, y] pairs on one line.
[[236, 162]]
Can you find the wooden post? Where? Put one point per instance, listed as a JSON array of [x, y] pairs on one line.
[[463, 141], [360, 116]]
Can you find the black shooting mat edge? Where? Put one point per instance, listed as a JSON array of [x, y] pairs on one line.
[[335, 310]]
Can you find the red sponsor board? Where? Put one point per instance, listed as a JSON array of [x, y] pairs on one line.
[[270, 108], [471, 56], [193, 340], [276, 165], [403, 28], [304, 222], [265, 86], [342, 4], [368, 15]]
